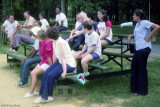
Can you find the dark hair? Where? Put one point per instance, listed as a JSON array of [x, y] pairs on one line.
[[10, 15], [59, 7], [90, 15], [87, 24], [104, 13], [52, 33], [28, 12], [39, 23], [139, 13], [41, 34], [42, 14]]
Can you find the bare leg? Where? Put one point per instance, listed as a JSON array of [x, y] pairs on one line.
[[34, 73], [104, 42], [84, 62]]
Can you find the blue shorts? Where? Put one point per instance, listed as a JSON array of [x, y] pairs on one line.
[[108, 41], [94, 55]]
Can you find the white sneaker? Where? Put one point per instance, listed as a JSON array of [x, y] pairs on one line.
[[28, 95], [38, 100], [36, 93], [46, 101], [86, 74]]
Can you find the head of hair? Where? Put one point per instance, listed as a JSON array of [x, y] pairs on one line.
[[42, 14], [41, 34], [59, 7], [52, 33], [83, 15], [87, 24], [139, 13], [28, 12], [10, 15], [104, 13], [90, 15]]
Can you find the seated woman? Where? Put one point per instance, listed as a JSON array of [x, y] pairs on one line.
[[80, 35], [104, 28], [46, 54], [92, 48], [64, 62]]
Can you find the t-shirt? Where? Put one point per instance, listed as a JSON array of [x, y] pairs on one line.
[[44, 24], [141, 31], [30, 21], [6, 28], [36, 45], [62, 17], [10, 27], [93, 39], [102, 29]]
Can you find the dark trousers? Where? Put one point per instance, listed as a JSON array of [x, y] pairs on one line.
[[62, 28], [80, 40], [139, 79]]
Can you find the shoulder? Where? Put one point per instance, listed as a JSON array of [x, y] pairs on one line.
[[108, 23]]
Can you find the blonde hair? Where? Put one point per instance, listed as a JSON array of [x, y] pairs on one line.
[[41, 34], [84, 16]]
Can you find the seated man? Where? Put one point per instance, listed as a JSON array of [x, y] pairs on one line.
[[61, 20], [26, 39], [10, 28], [26, 27], [32, 58], [91, 49]]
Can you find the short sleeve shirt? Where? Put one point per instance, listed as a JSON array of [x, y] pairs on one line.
[[102, 26], [10, 27], [62, 17], [30, 21], [141, 31], [93, 39], [44, 24]]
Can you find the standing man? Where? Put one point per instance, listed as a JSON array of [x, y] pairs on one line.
[[26, 27], [61, 20], [11, 26]]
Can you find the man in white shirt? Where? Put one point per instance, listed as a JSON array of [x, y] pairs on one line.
[[11, 26], [61, 20], [26, 27], [45, 24]]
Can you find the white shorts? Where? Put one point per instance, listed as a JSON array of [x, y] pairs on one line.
[[43, 66]]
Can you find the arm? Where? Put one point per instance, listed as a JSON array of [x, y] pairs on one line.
[[107, 33], [155, 27], [31, 54], [129, 38], [89, 51], [4, 29], [62, 58], [79, 33], [56, 24]]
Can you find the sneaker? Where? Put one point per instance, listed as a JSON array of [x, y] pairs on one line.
[[38, 100], [46, 101], [28, 95], [21, 84], [36, 93], [86, 74]]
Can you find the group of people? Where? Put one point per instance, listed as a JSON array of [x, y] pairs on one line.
[[55, 58]]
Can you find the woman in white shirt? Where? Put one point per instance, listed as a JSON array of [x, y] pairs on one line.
[[45, 24], [142, 36], [63, 62]]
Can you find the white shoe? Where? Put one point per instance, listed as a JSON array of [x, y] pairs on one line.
[[46, 101], [86, 74], [28, 95], [36, 93], [38, 100]]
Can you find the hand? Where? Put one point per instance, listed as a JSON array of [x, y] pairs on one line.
[[67, 40], [25, 60], [147, 39], [129, 39], [71, 38], [63, 75], [83, 55]]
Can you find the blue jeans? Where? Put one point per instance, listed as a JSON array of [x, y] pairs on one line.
[[80, 40], [62, 28], [49, 78], [25, 68]]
